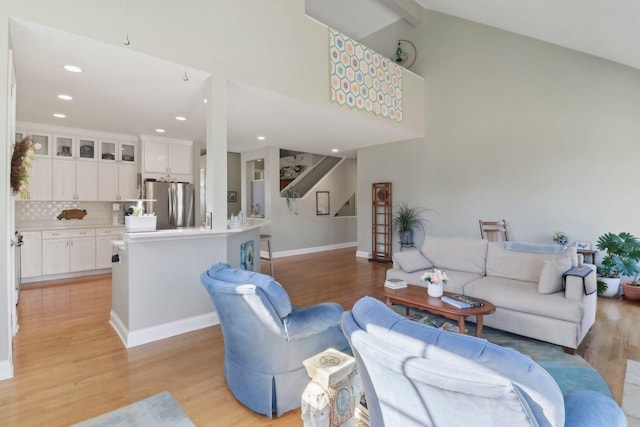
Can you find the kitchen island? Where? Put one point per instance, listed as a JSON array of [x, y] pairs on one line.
[[156, 291]]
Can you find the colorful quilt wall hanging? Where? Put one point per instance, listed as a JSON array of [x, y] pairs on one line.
[[363, 79]]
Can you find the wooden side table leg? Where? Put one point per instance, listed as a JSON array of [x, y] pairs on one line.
[[479, 325], [461, 324]]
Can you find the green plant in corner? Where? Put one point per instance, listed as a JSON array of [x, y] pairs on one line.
[[406, 220], [623, 254]]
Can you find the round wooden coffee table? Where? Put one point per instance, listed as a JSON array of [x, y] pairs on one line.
[[417, 297]]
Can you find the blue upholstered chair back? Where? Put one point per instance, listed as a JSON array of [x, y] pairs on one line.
[[416, 375], [266, 338]]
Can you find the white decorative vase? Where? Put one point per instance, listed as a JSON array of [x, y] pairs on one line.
[[613, 286], [435, 290]]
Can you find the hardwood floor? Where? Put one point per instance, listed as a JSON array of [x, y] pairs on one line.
[[70, 365]]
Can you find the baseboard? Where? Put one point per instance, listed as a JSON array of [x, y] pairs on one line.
[[73, 275], [363, 254], [6, 370], [293, 252], [166, 330]]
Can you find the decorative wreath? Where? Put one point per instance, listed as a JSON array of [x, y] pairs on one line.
[[23, 153]]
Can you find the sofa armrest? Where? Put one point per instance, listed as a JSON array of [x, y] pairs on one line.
[[575, 286]]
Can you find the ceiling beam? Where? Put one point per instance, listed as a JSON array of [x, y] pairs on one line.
[[409, 10]]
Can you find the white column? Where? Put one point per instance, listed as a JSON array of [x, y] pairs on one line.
[[217, 150]]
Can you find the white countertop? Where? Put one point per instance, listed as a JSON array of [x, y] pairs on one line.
[[192, 232], [66, 225]]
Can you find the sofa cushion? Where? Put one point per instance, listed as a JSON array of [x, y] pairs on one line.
[[456, 253], [525, 266], [458, 280], [412, 260], [551, 275], [522, 296]]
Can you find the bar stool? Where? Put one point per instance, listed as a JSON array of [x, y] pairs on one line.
[[269, 258]]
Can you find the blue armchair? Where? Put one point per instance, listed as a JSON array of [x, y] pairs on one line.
[[266, 338], [417, 375]]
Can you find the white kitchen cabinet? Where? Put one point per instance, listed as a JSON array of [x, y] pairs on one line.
[[172, 158], [82, 253], [40, 187], [74, 180], [118, 151], [104, 248], [42, 138], [66, 251], [40, 171], [117, 181], [117, 171], [55, 256], [31, 254], [75, 147], [86, 181]]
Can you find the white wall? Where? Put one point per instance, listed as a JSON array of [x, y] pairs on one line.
[[300, 230], [542, 136], [6, 366]]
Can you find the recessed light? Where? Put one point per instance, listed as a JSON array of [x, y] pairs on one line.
[[181, 118], [160, 130], [73, 68], [205, 100], [334, 150], [261, 138], [59, 116], [65, 97]]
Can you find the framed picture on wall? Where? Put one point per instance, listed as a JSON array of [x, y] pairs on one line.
[[583, 245], [232, 196], [322, 203]]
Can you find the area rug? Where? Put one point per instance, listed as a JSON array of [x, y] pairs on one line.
[[570, 371], [631, 393], [160, 410]]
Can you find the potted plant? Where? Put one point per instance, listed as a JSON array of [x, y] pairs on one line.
[[406, 220], [621, 259], [291, 194]]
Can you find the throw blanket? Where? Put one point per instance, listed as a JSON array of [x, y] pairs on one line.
[[535, 247]]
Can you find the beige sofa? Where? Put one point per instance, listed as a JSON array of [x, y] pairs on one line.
[[526, 286]]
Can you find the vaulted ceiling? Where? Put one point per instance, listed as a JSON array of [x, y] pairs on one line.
[[130, 93]]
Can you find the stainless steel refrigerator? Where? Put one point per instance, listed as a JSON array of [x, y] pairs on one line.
[[174, 204]]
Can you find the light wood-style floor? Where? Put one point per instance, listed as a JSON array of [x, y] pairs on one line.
[[70, 365]]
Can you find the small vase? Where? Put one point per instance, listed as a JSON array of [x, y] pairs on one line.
[[435, 290]]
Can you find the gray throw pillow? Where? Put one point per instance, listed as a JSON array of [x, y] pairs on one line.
[[412, 260], [551, 275]]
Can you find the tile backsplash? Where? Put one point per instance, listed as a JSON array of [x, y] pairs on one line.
[[30, 214]]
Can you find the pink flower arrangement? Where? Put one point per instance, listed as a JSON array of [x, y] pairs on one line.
[[435, 276]]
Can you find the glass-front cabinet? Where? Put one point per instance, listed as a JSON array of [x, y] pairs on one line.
[[87, 149], [71, 147], [63, 146], [125, 152], [44, 139]]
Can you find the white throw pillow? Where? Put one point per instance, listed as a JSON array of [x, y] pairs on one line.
[[412, 260], [551, 275]]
